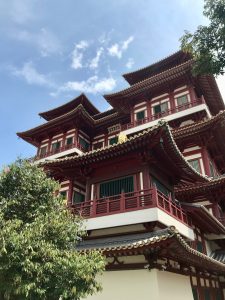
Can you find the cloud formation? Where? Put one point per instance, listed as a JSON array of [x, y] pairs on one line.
[[77, 54], [29, 73], [118, 49], [95, 61], [130, 63], [92, 85]]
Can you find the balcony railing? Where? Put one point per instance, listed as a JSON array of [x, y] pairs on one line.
[[126, 202], [62, 149], [164, 113]]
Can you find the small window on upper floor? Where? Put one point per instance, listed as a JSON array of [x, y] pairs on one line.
[[43, 151], [69, 141], [84, 144], [98, 145], [63, 194], [113, 140], [140, 115], [195, 163], [160, 108], [181, 100], [78, 197], [56, 146]]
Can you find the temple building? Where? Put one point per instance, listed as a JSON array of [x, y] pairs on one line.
[[147, 177]]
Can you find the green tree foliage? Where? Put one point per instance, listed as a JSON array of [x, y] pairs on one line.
[[207, 44], [38, 259]]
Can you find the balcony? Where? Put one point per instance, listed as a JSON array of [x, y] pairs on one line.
[[170, 114], [130, 202], [64, 150]]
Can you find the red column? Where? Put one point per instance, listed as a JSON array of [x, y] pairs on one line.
[[206, 161], [70, 193], [172, 102]]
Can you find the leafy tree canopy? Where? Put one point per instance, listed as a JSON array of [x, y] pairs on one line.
[[207, 44], [38, 259]]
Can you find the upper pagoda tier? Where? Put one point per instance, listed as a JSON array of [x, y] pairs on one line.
[[67, 107], [161, 77], [158, 67]]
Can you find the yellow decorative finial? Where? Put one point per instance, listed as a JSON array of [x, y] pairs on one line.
[[122, 138]]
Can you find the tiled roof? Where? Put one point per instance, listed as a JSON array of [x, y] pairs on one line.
[[139, 243]]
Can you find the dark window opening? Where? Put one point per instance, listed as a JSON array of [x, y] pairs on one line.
[[78, 197], [43, 151], [56, 146], [63, 194], [140, 115], [84, 144], [160, 186], [116, 187], [69, 141], [160, 108], [97, 145], [113, 140]]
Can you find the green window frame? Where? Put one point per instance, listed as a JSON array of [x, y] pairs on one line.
[[69, 141], [116, 186], [140, 115], [56, 146], [195, 163], [113, 140], [195, 293], [98, 145], [84, 144], [78, 197], [63, 194], [181, 100], [160, 186], [43, 151], [160, 108]]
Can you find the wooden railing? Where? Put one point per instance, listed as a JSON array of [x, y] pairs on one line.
[[132, 201], [164, 113], [61, 149]]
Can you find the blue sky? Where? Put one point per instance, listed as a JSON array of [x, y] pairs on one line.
[[53, 50]]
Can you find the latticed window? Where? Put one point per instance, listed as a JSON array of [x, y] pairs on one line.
[[117, 186], [159, 108], [160, 186], [56, 146], [140, 115], [78, 197], [182, 100], [69, 141], [195, 163], [84, 144], [43, 151], [113, 140]]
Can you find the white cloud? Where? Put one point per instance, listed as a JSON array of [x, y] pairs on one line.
[[95, 61], [77, 54], [46, 42], [221, 83], [130, 63], [118, 49], [31, 75], [92, 85]]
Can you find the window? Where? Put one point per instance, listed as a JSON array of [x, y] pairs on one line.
[[43, 151], [160, 108], [212, 170], [199, 246], [140, 115], [182, 100], [207, 294], [160, 187], [97, 145], [84, 144], [195, 293], [116, 187], [113, 140], [63, 194], [78, 197], [69, 141], [195, 163], [56, 146]]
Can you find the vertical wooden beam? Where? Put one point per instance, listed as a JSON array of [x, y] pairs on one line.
[[70, 192], [206, 161]]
